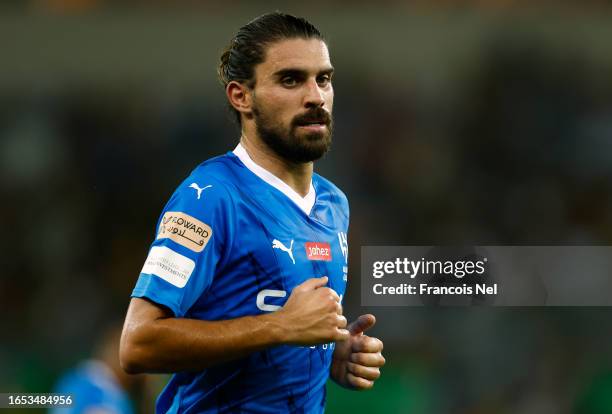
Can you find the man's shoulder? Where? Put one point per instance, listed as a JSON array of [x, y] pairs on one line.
[[209, 185], [322, 184], [221, 168], [220, 171], [327, 190]]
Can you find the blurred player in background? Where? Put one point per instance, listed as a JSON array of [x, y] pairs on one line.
[[240, 295], [99, 385]]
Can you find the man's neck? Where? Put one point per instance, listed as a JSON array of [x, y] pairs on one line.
[[298, 176]]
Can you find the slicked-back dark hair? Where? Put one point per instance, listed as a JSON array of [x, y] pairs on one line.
[[248, 47]]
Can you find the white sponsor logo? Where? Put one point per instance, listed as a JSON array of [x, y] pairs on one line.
[[174, 268], [272, 293], [343, 245], [199, 190], [278, 245], [261, 299], [319, 251], [329, 345]]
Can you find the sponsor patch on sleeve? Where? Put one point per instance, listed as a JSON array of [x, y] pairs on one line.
[[171, 266], [184, 229]]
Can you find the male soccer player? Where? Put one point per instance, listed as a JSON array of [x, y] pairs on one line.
[[240, 295]]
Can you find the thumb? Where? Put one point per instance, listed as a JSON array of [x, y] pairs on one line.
[[363, 323], [312, 284]]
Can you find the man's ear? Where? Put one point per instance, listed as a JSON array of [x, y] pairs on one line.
[[239, 96]]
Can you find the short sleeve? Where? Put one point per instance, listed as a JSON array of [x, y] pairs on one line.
[[191, 240]]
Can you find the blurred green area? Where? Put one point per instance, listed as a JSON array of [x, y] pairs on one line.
[[404, 388]]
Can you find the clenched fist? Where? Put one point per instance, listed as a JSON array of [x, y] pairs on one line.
[[312, 315]]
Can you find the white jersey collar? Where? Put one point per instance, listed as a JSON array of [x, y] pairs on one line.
[[304, 203]]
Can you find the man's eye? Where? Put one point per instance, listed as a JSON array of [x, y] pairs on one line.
[[288, 81], [324, 80]]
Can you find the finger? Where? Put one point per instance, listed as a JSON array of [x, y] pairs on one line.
[[367, 344], [342, 335], [339, 310], [364, 322], [369, 373], [368, 359], [313, 283], [341, 321], [330, 292], [358, 382]]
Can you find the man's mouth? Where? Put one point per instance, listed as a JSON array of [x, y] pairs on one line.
[[313, 122], [313, 125], [318, 117]]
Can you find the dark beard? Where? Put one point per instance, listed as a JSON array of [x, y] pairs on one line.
[[290, 146]]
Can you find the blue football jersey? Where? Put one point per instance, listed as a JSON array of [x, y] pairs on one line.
[[228, 244], [93, 389]]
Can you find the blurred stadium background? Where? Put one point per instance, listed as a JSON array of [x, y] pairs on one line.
[[485, 122]]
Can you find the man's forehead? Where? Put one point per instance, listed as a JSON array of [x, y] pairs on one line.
[[305, 54]]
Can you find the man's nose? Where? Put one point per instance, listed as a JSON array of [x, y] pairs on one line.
[[314, 94]]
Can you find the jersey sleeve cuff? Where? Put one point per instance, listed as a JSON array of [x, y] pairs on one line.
[[143, 290]]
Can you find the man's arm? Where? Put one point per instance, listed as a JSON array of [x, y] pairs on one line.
[[153, 340]]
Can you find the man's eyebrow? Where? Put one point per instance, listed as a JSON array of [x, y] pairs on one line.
[[301, 72]]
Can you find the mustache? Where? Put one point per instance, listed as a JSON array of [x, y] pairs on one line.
[[317, 115]]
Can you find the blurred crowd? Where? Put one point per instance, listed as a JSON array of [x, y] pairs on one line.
[[80, 6], [516, 150]]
